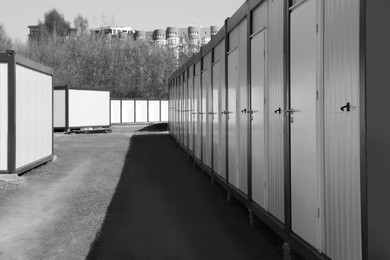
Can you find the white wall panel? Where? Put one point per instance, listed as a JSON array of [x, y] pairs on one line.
[[3, 116], [275, 100], [128, 111], [342, 142], [164, 110], [59, 108], [89, 108], [34, 116], [154, 110], [141, 111], [115, 111]]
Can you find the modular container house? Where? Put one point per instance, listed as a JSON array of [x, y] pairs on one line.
[[26, 113], [127, 111], [77, 108], [286, 109]]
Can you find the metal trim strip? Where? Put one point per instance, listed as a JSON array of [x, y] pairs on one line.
[[257, 32]]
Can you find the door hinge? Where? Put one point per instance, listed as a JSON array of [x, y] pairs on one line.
[[318, 213], [317, 94], [264, 54], [317, 28]]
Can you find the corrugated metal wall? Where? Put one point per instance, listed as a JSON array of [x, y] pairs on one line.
[[342, 142], [96, 113], [115, 111], [128, 111], [260, 17], [60, 108], [34, 116], [275, 100], [3, 116]]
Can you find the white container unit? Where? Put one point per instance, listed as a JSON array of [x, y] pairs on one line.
[[26, 113], [84, 108]]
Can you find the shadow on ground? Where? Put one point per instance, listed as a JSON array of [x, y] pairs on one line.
[[160, 127], [164, 208]]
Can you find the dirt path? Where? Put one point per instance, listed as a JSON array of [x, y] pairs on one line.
[[55, 211]]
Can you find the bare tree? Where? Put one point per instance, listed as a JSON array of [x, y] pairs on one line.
[[5, 41]]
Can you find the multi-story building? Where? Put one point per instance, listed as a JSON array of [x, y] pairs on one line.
[[113, 31], [170, 37], [36, 32]]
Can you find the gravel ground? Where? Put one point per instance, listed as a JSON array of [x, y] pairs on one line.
[[56, 210]]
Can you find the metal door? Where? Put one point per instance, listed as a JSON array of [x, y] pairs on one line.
[[198, 119], [259, 144], [191, 114], [185, 113], [215, 117], [209, 119], [233, 163], [195, 116], [303, 118], [205, 86]]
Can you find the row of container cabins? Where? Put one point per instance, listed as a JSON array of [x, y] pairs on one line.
[[30, 108], [92, 108], [286, 109]]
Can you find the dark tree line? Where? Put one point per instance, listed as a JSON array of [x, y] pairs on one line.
[[130, 69]]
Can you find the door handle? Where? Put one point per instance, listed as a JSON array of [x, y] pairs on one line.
[[211, 113], [278, 111], [243, 111], [347, 106], [291, 111], [251, 111]]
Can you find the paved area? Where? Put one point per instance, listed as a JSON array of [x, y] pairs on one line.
[[164, 208]]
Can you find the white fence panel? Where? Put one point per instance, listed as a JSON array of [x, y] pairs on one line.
[[115, 111], [141, 111], [127, 111]]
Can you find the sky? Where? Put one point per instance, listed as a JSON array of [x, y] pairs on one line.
[[16, 15]]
